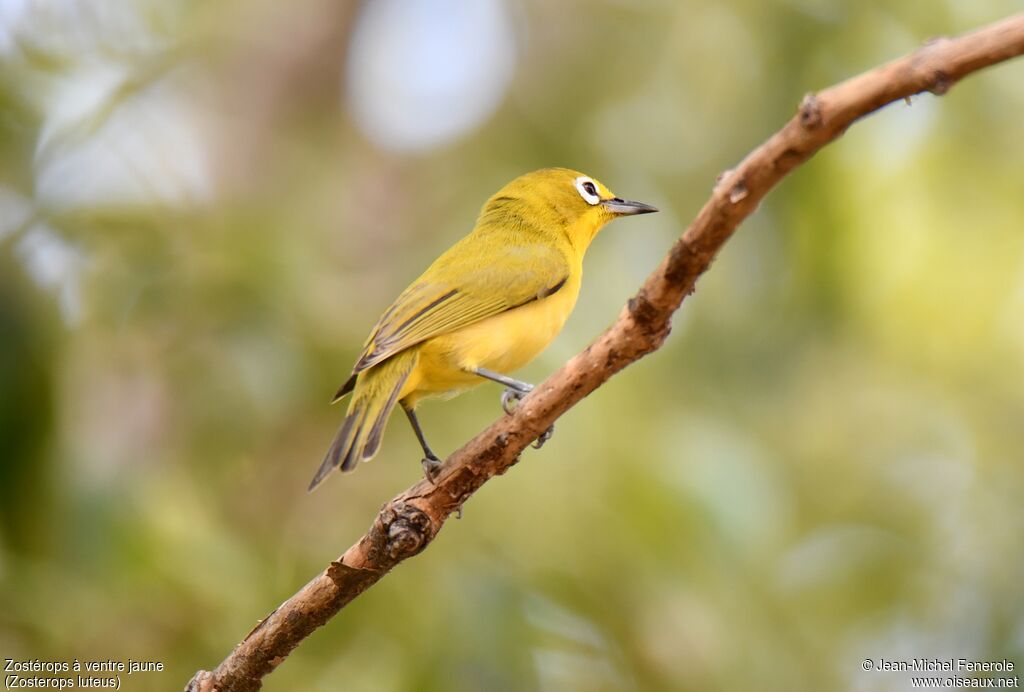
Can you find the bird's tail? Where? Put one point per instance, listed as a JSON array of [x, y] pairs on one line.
[[373, 398]]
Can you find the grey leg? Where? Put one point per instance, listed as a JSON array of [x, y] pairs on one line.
[[510, 382]]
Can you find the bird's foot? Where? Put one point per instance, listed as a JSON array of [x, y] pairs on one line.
[[544, 437], [512, 396], [431, 467]]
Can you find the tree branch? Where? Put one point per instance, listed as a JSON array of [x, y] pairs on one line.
[[410, 521]]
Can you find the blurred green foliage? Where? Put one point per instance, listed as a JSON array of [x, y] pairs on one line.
[[822, 465]]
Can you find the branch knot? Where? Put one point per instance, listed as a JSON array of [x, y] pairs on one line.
[[407, 530], [810, 112], [940, 82], [646, 316]]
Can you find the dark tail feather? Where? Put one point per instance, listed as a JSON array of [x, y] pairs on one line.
[[338, 447], [360, 434]]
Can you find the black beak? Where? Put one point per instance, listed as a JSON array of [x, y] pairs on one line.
[[625, 207]]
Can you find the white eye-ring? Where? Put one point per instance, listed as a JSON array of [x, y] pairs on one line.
[[588, 190]]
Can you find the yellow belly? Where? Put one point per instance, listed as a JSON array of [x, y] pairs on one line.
[[503, 343]]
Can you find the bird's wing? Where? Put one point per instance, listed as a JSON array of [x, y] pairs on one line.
[[463, 287]]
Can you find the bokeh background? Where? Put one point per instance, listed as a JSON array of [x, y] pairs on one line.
[[204, 206]]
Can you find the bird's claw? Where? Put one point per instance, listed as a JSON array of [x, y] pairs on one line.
[[544, 437], [510, 397], [431, 467]]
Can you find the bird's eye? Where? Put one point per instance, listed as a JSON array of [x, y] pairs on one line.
[[588, 190]]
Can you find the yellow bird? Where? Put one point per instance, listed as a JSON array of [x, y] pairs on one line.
[[486, 307]]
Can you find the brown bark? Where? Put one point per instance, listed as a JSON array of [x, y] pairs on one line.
[[410, 521]]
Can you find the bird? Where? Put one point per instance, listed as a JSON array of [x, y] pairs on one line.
[[486, 307]]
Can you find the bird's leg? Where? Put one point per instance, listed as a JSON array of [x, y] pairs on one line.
[[515, 390], [430, 463]]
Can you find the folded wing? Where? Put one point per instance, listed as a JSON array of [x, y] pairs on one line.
[[461, 288]]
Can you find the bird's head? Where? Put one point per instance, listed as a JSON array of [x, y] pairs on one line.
[[559, 200]]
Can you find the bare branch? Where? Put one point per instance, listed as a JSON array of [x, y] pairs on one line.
[[410, 521]]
